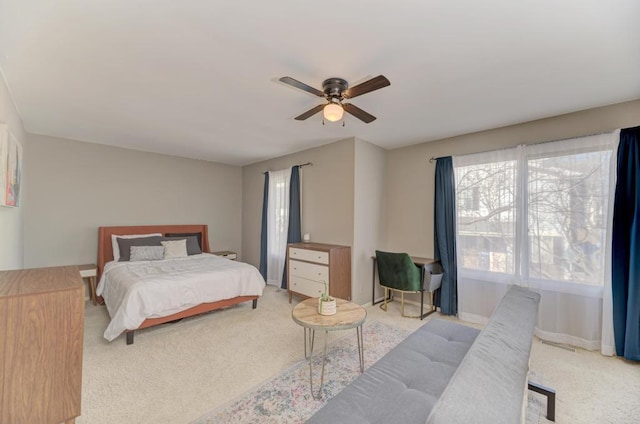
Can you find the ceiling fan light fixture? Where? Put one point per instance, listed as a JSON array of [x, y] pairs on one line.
[[333, 112]]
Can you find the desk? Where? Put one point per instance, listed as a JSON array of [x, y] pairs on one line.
[[416, 260]]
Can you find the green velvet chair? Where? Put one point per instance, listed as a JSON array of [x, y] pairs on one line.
[[398, 273]]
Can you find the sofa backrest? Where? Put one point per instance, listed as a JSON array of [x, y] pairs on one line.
[[490, 384]]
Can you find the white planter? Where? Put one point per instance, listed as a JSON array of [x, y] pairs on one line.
[[327, 307]]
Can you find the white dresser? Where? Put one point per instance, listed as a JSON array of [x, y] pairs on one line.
[[310, 265]]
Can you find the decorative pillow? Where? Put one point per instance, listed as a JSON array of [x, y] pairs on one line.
[[146, 253], [125, 245], [193, 248], [175, 249], [116, 248], [197, 235]]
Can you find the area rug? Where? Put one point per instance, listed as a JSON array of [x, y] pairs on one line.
[[286, 398]]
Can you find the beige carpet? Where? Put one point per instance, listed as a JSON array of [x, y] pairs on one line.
[[177, 372]]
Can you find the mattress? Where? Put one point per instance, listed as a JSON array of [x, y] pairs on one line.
[[135, 291]]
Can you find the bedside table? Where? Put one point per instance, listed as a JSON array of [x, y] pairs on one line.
[[89, 272], [226, 254]]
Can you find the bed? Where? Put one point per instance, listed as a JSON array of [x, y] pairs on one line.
[[143, 293]]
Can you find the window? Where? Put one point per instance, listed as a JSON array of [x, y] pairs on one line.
[[277, 224], [567, 204], [535, 212], [486, 224]]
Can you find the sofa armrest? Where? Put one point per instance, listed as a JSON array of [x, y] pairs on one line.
[[491, 380]]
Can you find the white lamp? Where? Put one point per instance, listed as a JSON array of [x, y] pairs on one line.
[[333, 112]]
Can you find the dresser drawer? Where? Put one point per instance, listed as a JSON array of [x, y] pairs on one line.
[[315, 272], [309, 255], [306, 287]]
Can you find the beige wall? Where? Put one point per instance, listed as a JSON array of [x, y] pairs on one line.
[[11, 219], [327, 196], [410, 176], [369, 215], [75, 187], [342, 203]]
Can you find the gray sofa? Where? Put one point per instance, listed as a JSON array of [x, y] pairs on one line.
[[445, 372]]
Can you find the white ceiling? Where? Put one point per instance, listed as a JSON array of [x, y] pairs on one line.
[[199, 78]]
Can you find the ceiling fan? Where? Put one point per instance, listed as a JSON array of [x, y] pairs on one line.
[[335, 91]]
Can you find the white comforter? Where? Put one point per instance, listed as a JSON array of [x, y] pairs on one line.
[[135, 291]]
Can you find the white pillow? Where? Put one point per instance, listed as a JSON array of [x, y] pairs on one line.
[[116, 248], [175, 249], [146, 253]]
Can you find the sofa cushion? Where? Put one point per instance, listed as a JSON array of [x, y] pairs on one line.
[[404, 385]]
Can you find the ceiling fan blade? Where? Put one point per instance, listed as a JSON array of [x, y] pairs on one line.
[[373, 84], [310, 113], [302, 86], [358, 113]]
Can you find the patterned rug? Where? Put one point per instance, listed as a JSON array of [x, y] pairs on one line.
[[286, 398]]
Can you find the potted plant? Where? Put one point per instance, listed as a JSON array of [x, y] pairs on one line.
[[326, 303]]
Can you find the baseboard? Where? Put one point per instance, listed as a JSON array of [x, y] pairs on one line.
[[569, 340], [544, 335], [411, 302], [473, 318]]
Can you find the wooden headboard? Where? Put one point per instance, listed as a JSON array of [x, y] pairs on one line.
[[105, 248]]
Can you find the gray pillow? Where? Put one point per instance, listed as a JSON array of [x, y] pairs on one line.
[[146, 253], [198, 235], [193, 248], [125, 244]]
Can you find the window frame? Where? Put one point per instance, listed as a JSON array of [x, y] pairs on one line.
[[522, 155]]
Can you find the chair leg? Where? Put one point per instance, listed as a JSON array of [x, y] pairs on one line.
[[402, 305], [431, 310], [386, 294], [422, 305]]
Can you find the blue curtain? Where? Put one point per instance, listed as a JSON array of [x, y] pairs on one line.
[[294, 235], [445, 236], [625, 279], [263, 233]]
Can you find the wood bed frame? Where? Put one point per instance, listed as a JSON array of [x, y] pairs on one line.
[[105, 254]]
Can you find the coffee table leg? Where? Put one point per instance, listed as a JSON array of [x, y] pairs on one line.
[[360, 347], [324, 361], [310, 336]]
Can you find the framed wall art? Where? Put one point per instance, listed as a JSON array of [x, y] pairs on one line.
[[10, 168]]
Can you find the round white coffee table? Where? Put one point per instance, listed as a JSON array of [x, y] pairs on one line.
[[348, 315]]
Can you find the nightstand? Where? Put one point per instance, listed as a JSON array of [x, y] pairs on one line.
[[89, 272], [226, 254]]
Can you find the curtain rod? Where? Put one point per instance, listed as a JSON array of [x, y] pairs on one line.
[[431, 159], [299, 166]]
